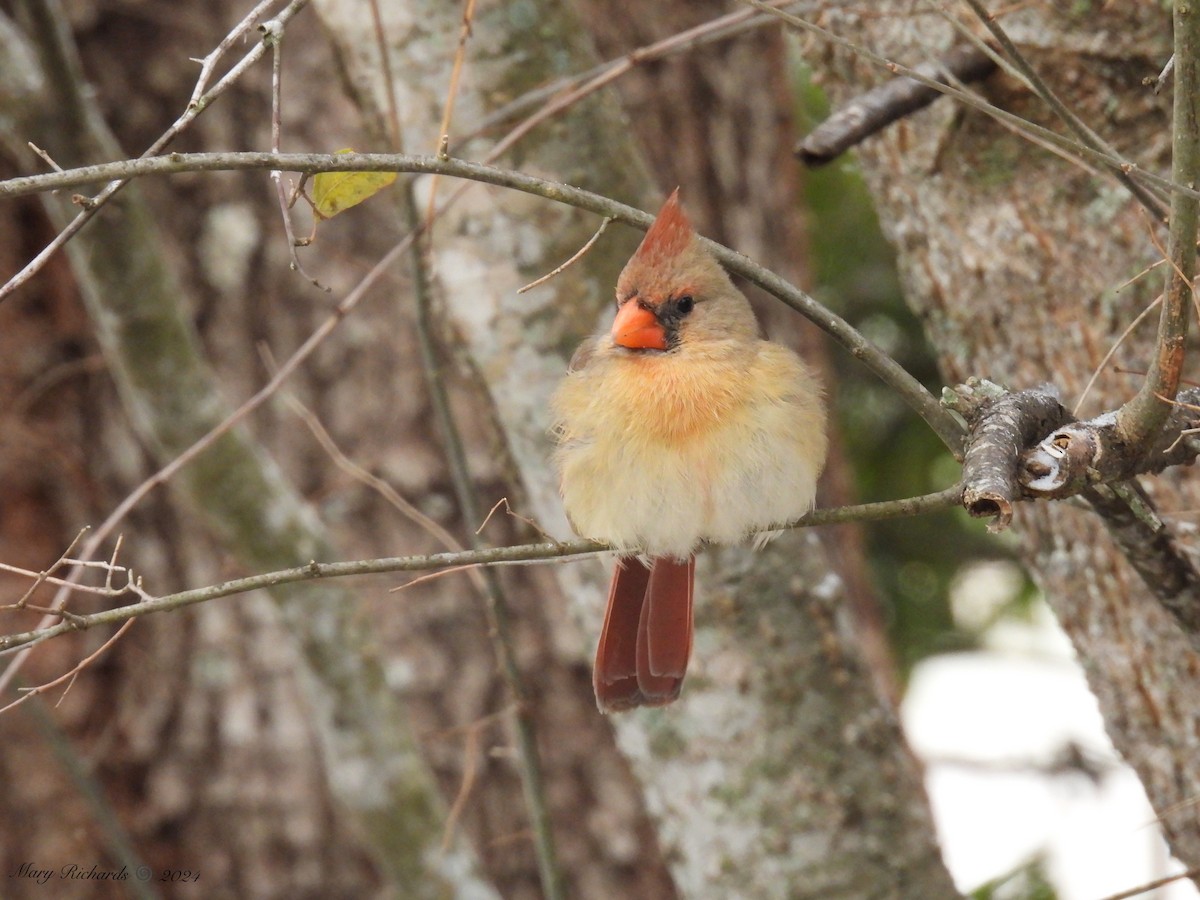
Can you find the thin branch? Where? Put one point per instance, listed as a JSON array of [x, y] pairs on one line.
[[1085, 134], [891, 372], [470, 773], [1138, 319], [272, 36], [45, 157], [29, 693], [575, 257], [209, 63], [871, 112], [1164, 76], [1140, 420], [1153, 885], [374, 482], [41, 578], [498, 609], [389, 83], [46, 574], [491, 556], [1022, 126], [503, 501], [460, 54], [713, 31], [195, 107], [1168, 570]]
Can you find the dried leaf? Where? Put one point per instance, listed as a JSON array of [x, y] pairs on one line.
[[333, 192]]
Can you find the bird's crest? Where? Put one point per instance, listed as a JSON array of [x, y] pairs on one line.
[[669, 259], [668, 237]]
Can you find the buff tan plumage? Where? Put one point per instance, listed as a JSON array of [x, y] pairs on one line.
[[678, 426]]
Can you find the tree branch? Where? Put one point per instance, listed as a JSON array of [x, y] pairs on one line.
[[1081, 454], [1141, 419], [1085, 134], [1149, 547], [1080, 458], [12, 55], [499, 612], [888, 370], [1022, 126], [521, 553], [870, 113], [1002, 426]]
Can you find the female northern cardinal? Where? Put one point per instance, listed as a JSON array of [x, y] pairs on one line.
[[677, 427]]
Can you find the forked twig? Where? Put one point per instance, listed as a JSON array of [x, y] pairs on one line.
[[195, 107], [27, 693]]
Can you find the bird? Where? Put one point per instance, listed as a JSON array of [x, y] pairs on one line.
[[678, 426]]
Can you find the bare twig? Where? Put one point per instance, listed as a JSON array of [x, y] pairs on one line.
[[1085, 134], [871, 112], [195, 107], [311, 163], [385, 490], [385, 66], [1019, 124], [209, 63], [522, 554], [472, 569], [1138, 319], [499, 612], [45, 575], [887, 369], [460, 55], [1165, 75], [1153, 885], [28, 693], [470, 771], [272, 35], [574, 258], [45, 157], [503, 501], [374, 482]]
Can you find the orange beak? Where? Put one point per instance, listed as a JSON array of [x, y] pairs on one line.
[[637, 328]]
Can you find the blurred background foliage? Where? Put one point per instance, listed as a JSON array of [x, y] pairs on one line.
[[915, 562]]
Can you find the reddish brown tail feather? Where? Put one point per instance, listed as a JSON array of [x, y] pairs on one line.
[[646, 639]]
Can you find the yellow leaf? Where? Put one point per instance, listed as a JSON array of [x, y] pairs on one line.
[[333, 192]]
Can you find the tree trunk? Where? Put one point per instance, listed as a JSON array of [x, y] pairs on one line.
[[780, 732], [1016, 259], [255, 745], [204, 737]]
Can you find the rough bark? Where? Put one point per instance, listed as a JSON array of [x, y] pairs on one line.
[[758, 745], [234, 741], [1015, 259], [781, 774]]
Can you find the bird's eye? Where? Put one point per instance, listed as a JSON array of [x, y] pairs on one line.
[[685, 305]]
